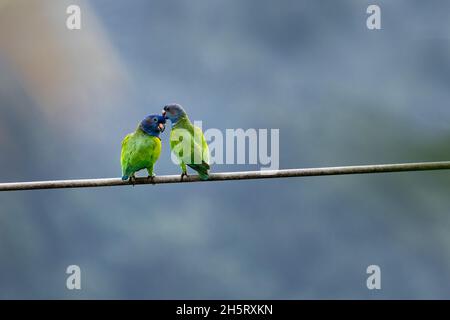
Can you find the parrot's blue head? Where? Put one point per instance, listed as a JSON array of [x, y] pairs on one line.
[[153, 125], [173, 112]]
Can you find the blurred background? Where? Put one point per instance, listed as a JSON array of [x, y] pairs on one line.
[[339, 93]]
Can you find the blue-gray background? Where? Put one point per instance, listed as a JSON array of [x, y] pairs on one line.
[[339, 93]]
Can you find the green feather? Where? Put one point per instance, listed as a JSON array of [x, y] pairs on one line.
[[139, 151], [197, 157]]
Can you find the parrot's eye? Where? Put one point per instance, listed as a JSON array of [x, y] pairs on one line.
[[155, 120]]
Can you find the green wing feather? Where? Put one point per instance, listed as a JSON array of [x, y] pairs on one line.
[[200, 151]]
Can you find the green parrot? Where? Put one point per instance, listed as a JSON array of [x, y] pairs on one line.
[[187, 142], [141, 149]]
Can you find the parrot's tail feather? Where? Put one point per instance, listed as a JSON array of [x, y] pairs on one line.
[[203, 176], [125, 178], [202, 169]]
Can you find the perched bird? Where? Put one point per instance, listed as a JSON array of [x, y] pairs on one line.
[[187, 142], [141, 149]]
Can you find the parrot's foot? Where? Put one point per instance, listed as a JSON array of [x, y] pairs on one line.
[[132, 180], [152, 179], [184, 174]]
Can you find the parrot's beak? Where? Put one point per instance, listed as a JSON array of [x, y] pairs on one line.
[[164, 113], [161, 127]]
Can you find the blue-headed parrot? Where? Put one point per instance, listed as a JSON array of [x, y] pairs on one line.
[[187, 142], [141, 149]]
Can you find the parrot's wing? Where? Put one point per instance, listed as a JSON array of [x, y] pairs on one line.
[[200, 145], [200, 152], [125, 153]]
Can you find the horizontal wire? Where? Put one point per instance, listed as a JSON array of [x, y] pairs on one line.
[[222, 176]]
